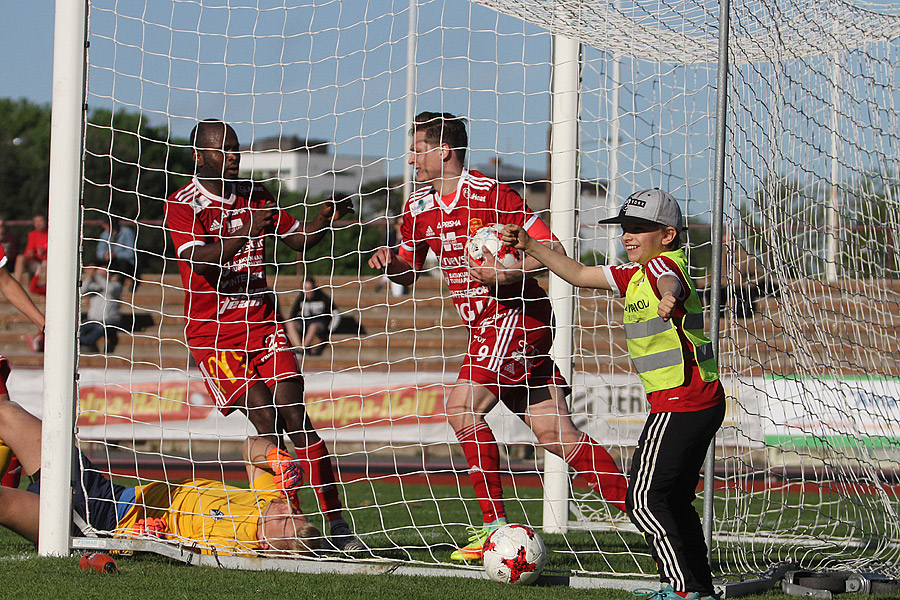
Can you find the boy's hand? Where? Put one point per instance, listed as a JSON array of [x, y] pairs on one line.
[[667, 306], [516, 236]]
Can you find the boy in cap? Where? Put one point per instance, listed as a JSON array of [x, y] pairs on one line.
[[674, 359]]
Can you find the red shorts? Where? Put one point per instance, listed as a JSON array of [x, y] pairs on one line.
[[229, 373], [510, 354]]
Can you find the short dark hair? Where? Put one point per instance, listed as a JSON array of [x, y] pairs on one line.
[[203, 129], [443, 128]]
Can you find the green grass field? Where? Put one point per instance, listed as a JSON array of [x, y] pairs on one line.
[[400, 517]]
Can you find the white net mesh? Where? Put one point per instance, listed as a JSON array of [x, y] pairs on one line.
[[807, 459]]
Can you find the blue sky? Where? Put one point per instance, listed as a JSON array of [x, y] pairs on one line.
[[333, 71], [25, 63]]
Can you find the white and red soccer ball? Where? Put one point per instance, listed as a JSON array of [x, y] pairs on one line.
[[514, 554], [488, 237]]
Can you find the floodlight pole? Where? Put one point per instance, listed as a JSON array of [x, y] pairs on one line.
[[66, 135], [715, 308], [563, 190]]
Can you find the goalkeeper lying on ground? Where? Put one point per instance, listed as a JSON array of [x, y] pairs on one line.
[[211, 515]]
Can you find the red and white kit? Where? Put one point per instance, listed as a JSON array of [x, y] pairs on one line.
[[509, 326], [231, 319]]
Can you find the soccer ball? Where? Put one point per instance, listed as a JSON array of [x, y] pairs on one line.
[[489, 237], [514, 554]]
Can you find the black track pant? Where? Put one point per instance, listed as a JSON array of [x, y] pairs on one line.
[[665, 471]]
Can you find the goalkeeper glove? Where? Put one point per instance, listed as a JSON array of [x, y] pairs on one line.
[[152, 526], [288, 475]]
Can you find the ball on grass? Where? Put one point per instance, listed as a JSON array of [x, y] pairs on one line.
[[514, 554]]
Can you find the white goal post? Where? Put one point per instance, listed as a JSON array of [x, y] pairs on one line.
[[791, 197]]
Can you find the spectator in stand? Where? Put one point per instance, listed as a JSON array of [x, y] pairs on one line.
[[313, 318], [33, 261], [10, 244], [103, 293], [116, 249]]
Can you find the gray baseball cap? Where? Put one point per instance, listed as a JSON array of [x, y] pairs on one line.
[[650, 206]]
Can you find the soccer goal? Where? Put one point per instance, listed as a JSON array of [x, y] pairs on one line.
[[575, 105]]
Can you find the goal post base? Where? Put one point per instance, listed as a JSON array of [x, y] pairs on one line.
[[309, 565]]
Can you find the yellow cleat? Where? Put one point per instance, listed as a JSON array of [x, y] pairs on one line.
[[474, 551]]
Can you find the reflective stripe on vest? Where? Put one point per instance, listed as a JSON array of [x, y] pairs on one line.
[[658, 360], [646, 328]]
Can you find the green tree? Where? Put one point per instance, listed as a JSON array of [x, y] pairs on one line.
[[130, 168], [24, 158]]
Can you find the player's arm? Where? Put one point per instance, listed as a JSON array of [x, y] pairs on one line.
[[394, 266], [18, 297], [262, 457], [569, 269], [311, 232], [206, 259]]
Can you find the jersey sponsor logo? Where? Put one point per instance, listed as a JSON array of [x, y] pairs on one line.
[[216, 225], [453, 223], [450, 242], [237, 303], [216, 514], [458, 277], [421, 204], [429, 232], [453, 261], [235, 224], [478, 291], [472, 196]]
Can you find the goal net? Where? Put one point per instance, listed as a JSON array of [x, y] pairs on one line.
[[321, 97]]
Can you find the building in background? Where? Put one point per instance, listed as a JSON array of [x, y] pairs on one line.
[[309, 167]]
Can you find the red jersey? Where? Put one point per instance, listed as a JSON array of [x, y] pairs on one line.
[[694, 394], [224, 309], [444, 224], [36, 248], [3, 259]]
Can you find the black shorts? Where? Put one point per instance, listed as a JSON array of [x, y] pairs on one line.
[[95, 495]]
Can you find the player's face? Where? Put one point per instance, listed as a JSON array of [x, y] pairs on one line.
[[280, 524], [220, 157], [643, 243], [427, 159]]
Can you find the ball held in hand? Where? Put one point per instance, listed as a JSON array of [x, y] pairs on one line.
[[488, 238]]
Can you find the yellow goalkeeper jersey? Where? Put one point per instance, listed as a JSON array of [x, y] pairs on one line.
[[217, 517]]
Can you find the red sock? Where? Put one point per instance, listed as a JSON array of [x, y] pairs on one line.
[[316, 463], [483, 455], [594, 463]]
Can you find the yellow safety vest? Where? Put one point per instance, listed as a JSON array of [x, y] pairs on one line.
[[654, 344]]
